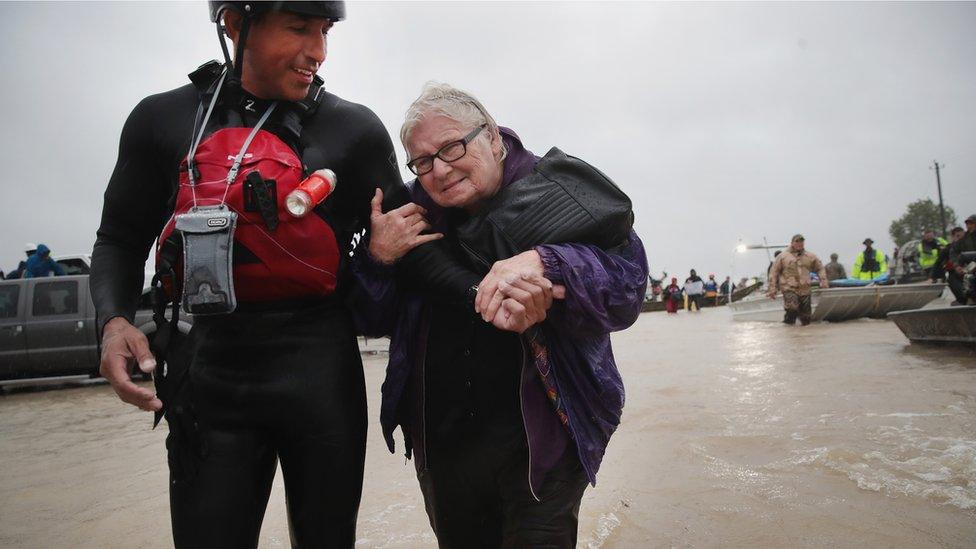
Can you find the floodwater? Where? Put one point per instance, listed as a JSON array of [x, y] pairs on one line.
[[734, 435]]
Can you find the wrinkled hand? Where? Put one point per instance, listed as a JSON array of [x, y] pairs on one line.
[[398, 231], [525, 267], [124, 346], [512, 317]]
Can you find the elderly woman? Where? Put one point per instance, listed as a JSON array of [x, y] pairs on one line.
[[508, 402]]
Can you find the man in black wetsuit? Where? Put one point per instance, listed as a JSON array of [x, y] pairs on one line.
[[275, 379]]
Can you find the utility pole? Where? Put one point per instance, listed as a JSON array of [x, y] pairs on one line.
[[938, 183]]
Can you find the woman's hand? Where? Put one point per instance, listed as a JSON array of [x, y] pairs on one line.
[[515, 295], [398, 231], [526, 266]]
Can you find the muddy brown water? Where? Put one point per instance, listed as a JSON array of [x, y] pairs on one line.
[[734, 435]]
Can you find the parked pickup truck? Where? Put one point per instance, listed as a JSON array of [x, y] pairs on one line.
[[47, 327]]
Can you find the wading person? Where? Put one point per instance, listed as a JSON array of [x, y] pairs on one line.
[[727, 287], [694, 289], [791, 275], [503, 452], [271, 370], [672, 297]]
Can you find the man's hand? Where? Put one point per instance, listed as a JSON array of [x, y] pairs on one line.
[[771, 294], [123, 346], [526, 267], [824, 283], [396, 232]]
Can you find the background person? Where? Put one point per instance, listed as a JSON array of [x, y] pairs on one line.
[[928, 251], [869, 263], [791, 274], [943, 269], [40, 264], [29, 250], [711, 288], [835, 270], [965, 243], [673, 297], [694, 289]]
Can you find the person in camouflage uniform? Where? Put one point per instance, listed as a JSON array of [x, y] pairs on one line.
[[834, 269], [791, 275]]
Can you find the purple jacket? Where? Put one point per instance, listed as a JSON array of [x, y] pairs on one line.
[[604, 292]]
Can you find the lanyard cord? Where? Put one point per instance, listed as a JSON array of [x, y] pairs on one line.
[[190, 168], [232, 174], [235, 168]]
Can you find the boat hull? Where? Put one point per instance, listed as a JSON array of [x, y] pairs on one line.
[[938, 324], [839, 304]]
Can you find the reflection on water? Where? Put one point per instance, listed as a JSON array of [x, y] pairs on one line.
[[735, 434], [764, 434]]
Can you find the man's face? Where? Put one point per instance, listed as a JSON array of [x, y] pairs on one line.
[[970, 226], [797, 245], [467, 181], [282, 53], [957, 235], [929, 236]]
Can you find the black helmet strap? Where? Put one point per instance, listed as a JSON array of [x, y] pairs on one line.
[[238, 60], [239, 53], [221, 32]]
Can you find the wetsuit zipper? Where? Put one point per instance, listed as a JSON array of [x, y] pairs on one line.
[[423, 401]]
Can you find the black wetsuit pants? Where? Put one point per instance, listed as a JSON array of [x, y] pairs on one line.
[[477, 496], [265, 387]]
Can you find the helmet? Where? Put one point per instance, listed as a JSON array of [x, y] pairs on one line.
[[336, 11]]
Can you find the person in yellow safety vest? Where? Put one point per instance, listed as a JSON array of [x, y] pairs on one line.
[[870, 263], [928, 251]]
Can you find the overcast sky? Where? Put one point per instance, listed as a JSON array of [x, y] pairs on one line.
[[722, 121]]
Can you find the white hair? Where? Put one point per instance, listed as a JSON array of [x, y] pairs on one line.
[[440, 99]]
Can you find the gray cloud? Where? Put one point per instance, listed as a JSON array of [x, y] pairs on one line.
[[723, 121]]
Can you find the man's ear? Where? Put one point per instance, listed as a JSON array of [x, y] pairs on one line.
[[232, 22]]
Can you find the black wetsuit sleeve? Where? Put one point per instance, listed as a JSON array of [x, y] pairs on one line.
[[435, 269], [134, 211], [430, 267]]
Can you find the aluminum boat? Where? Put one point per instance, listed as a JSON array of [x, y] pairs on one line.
[[838, 304], [938, 324]]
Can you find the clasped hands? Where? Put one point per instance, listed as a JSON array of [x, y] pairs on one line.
[[513, 296]]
